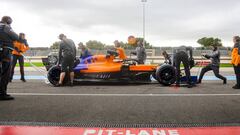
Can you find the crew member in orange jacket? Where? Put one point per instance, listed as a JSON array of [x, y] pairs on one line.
[[120, 50], [20, 47], [236, 60]]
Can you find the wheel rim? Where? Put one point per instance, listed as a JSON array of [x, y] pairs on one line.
[[52, 60], [167, 76]]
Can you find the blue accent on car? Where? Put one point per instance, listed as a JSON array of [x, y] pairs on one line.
[[80, 67], [86, 60], [83, 64]]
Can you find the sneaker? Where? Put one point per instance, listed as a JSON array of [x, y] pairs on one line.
[[6, 97], [1, 94], [236, 87], [58, 85], [23, 79], [189, 85], [71, 84], [225, 81], [177, 85]]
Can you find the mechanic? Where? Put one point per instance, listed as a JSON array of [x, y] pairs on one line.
[[214, 65], [20, 47], [7, 36], [120, 50], [236, 60], [180, 54], [85, 52], [67, 55], [140, 52], [167, 58]]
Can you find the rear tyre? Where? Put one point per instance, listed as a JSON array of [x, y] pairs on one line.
[[54, 75], [166, 74]]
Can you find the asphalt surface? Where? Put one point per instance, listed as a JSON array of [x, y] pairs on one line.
[[210, 102]]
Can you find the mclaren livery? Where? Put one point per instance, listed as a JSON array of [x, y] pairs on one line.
[[108, 68]]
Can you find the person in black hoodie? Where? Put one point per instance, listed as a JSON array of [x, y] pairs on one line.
[[214, 65]]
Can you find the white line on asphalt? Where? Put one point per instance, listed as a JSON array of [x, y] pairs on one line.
[[122, 95]]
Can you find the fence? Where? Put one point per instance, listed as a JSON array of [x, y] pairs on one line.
[[150, 52], [154, 55]]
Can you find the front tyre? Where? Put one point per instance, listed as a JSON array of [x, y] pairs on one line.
[[166, 75]]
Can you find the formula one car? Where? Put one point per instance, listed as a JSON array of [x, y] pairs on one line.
[[108, 68]]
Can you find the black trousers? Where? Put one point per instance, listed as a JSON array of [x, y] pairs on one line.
[[215, 70], [5, 60], [20, 59], [182, 57], [237, 72]]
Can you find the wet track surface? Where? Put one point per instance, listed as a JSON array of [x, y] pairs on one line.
[[210, 102]]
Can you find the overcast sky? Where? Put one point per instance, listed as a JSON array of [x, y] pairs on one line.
[[168, 22]]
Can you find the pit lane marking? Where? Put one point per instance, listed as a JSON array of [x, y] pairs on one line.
[[123, 95]]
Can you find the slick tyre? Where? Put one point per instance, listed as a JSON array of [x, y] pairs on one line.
[[166, 75], [54, 75]]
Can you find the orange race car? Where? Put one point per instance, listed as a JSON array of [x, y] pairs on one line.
[[108, 68]]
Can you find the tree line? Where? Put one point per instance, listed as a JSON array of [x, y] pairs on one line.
[[98, 45]]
